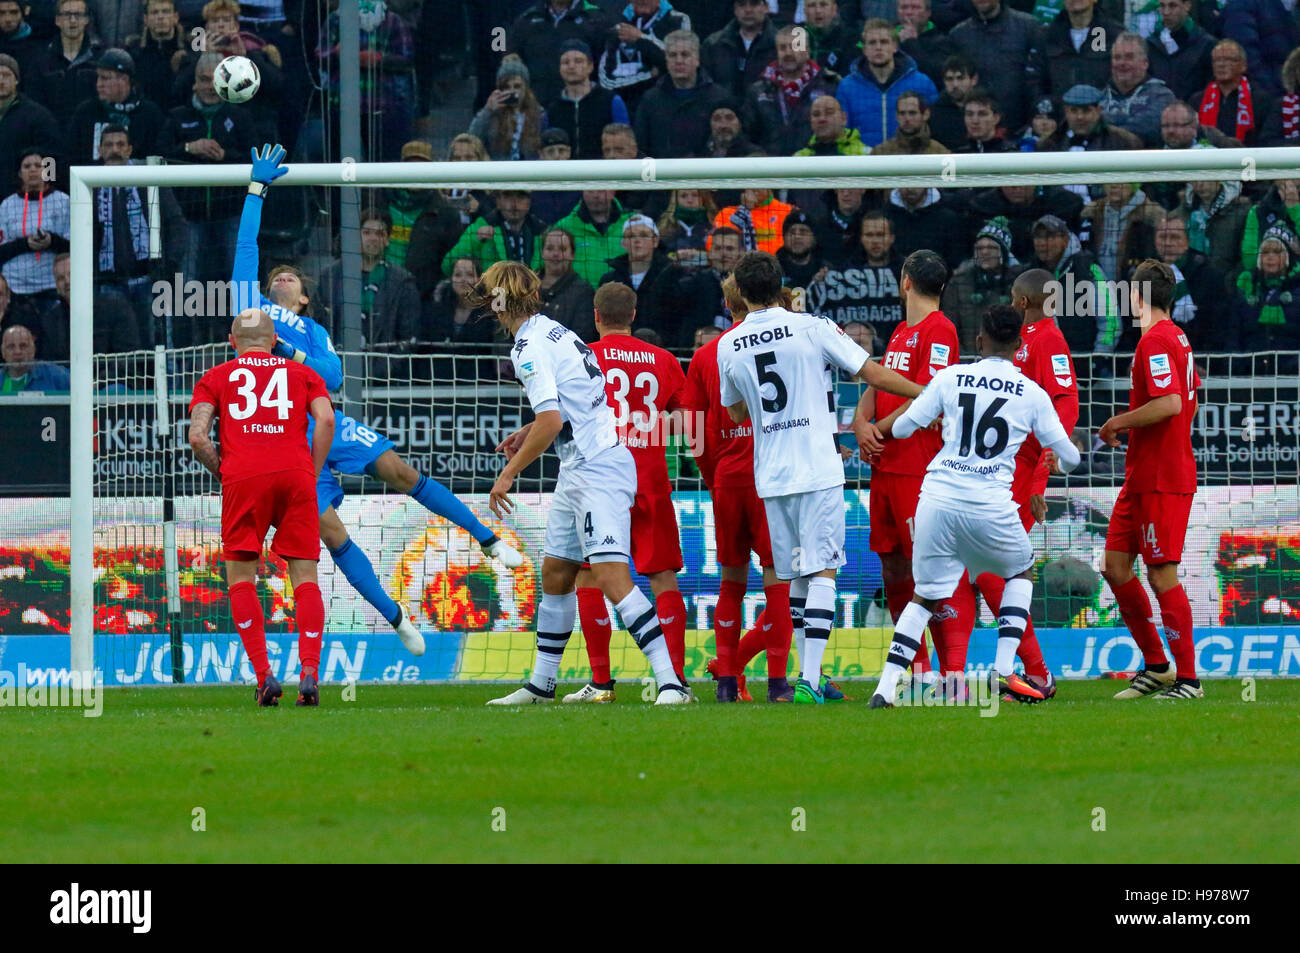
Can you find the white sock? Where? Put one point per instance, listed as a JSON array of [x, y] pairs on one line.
[[554, 626], [907, 640], [798, 600], [1013, 617], [642, 623], [818, 617]]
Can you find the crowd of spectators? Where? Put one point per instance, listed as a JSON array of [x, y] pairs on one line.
[[98, 81]]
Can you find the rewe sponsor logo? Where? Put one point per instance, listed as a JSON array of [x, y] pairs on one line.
[[103, 907]]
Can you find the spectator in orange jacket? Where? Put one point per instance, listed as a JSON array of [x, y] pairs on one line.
[[759, 217]]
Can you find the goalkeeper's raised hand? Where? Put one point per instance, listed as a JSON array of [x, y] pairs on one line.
[[267, 166]]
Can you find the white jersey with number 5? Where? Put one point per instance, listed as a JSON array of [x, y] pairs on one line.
[[988, 409], [775, 361], [560, 372]]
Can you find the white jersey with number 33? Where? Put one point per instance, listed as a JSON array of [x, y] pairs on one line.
[[988, 409], [775, 361]]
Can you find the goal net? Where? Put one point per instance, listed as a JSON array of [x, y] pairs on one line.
[[159, 607]]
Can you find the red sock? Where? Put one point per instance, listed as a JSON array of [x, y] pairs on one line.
[[777, 615], [898, 596], [921, 662], [594, 615], [1176, 617], [726, 626], [951, 627], [309, 613], [1135, 608], [246, 610], [672, 617], [751, 643]]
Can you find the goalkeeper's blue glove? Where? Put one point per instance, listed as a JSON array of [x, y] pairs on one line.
[[266, 166], [283, 348]]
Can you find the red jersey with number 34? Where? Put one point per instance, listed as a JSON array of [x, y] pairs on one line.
[[641, 380], [262, 406], [918, 352], [1159, 458], [1044, 358]]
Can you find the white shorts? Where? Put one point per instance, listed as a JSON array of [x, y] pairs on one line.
[[590, 519], [950, 542], [807, 531]]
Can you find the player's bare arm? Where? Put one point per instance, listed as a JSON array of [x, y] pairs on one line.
[[738, 412], [888, 380], [322, 412], [886, 426], [200, 441], [541, 433], [870, 439], [510, 446], [1152, 412]]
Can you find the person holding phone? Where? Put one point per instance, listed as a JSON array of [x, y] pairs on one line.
[[510, 123]]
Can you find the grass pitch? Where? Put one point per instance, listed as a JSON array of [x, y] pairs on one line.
[[425, 773]]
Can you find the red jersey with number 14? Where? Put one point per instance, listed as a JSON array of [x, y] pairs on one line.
[[641, 380], [918, 352], [1044, 358], [261, 406], [1159, 458]]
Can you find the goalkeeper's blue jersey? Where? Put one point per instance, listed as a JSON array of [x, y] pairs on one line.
[[298, 331]]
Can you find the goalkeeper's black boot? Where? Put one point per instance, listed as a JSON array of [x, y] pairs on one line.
[[308, 692], [268, 693]]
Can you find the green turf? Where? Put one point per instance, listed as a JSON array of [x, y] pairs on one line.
[[415, 773]]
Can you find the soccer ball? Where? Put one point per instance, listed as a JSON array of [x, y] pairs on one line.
[[236, 79]]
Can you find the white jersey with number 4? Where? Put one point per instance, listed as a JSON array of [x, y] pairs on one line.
[[988, 409], [559, 372], [775, 361]]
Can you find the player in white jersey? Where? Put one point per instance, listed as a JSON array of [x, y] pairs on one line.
[[772, 367], [966, 520], [590, 516]]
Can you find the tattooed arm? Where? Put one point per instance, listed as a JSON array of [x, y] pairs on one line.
[[200, 441]]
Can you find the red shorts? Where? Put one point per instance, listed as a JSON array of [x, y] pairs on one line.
[[740, 526], [285, 500], [1153, 524], [1029, 479], [893, 500], [656, 545]]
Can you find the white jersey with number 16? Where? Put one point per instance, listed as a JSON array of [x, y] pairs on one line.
[[775, 361], [988, 409]]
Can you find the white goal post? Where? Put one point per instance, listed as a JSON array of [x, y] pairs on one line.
[[937, 171]]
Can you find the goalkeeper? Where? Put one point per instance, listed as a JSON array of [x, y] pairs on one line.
[[356, 449]]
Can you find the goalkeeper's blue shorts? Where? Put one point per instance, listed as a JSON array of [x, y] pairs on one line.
[[355, 449]]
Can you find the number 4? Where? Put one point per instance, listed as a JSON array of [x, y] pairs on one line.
[[586, 525]]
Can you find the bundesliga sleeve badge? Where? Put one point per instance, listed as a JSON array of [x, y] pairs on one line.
[[939, 354], [1160, 370]]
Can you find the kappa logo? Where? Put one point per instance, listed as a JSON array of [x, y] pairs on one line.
[[609, 541]]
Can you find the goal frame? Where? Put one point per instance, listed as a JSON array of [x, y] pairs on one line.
[[927, 171]]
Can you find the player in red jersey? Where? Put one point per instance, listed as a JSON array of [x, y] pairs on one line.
[[1152, 510], [1043, 357], [725, 455], [641, 382], [268, 472], [924, 344]]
